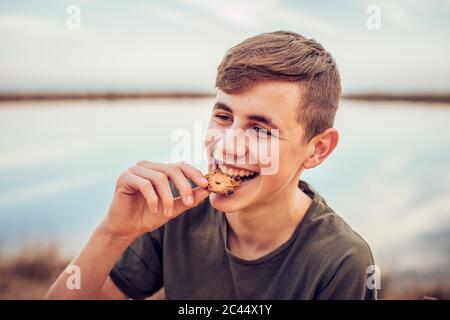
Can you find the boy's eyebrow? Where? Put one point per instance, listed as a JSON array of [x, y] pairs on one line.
[[255, 117], [263, 119], [223, 106]]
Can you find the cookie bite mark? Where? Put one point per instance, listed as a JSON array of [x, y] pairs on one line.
[[220, 183]]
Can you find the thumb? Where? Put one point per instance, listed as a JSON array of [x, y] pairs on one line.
[[199, 195]]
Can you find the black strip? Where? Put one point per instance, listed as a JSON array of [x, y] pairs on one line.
[[171, 309]]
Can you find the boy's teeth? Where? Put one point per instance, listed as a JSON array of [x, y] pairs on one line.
[[235, 172]]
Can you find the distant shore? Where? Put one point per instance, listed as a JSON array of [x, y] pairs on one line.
[[73, 96], [70, 96], [380, 97]]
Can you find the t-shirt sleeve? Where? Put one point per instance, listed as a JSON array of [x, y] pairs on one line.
[[350, 280], [138, 273]]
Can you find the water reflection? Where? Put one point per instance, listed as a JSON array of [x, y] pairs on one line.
[[389, 177]]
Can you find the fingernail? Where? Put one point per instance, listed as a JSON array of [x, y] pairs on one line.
[[204, 180], [189, 200]]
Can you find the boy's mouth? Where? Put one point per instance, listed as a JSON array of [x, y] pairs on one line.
[[226, 179], [231, 171]]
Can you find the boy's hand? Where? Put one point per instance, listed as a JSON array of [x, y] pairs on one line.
[[143, 200]]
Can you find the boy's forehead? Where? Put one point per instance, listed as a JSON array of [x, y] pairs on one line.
[[276, 99]]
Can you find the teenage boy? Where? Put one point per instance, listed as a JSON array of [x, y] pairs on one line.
[[275, 237]]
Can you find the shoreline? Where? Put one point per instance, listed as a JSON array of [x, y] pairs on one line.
[[115, 96], [106, 96], [375, 97]]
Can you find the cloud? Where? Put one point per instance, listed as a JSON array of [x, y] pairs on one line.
[[238, 14], [170, 15], [243, 15], [399, 15], [267, 14], [35, 26], [30, 25], [178, 44]]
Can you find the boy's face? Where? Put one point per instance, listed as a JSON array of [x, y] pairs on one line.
[[266, 106]]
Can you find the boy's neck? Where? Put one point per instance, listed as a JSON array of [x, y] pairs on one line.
[[257, 231]]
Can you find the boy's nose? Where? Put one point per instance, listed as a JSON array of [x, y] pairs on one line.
[[232, 145]]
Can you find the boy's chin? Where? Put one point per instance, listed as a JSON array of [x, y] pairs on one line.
[[227, 203]]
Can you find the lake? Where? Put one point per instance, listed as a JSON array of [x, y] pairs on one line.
[[389, 177]]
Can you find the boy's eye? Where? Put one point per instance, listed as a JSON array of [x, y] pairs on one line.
[[262, 132], [223, 117]]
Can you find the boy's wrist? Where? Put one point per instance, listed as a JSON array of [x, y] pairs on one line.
[[113, 239]]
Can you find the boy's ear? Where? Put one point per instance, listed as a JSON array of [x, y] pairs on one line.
[[322, 145]]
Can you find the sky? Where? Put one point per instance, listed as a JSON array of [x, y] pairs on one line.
[[176, 45]]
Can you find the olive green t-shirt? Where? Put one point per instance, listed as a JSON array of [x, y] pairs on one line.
[[323, 259]]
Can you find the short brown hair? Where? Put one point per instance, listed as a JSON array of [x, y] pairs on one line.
[[286, 56]]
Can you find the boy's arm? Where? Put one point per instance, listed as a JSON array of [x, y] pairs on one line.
[[110, 291], [92, 265], [142, 202]]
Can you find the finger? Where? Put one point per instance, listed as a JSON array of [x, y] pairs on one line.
[[189, 171], [134, 183], [182, 184], [161, 184], [199, 195], [194, 174], [179, 207], [178, 177]]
